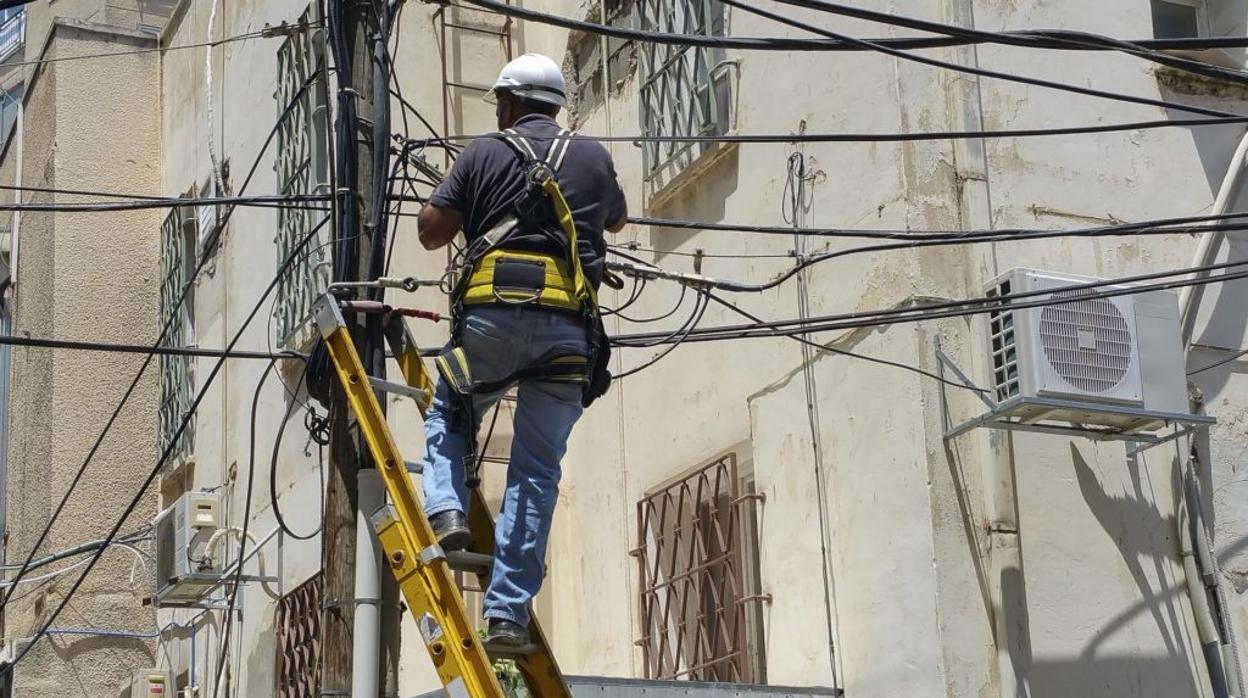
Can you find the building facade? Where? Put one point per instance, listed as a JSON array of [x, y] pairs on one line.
[[749, 510]]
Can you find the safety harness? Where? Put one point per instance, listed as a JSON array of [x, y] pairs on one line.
[[491, 273]]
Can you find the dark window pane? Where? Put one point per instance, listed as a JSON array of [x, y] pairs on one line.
[[1174, 21]]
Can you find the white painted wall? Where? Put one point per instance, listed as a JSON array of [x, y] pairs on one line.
[[1064, 582]]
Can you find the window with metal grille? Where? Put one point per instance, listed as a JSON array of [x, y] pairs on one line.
[[698, 557], [685, 90], [177, 260], [302, 168], [299, 641]]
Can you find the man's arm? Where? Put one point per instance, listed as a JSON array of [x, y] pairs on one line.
[[437, 225], [618, 225]]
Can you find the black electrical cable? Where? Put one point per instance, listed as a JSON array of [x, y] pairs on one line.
[[676, 338], [1066, 39], [277, 447], [160, 339], [144, 204], [958, 308], [969, 235], [980, 72], [161, 461], [793, 138], [46, 343], [242, 539], [680, 301], [823, 347], [843, 352], [1039, 39], [827, 256]]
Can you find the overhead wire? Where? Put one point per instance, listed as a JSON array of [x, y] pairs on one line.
[[885, 137], [1061, 39], [166, 453], [160, 340], [956, 308], [1039, 39], [268, 32], [232, 599], [984, 72]]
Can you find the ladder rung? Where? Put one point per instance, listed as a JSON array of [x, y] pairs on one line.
[[398, 389], [414, 466], [497, 651], [464, 561]]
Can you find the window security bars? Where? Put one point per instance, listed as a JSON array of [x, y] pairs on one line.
[[177, 262], [685, 90], [299, 641], [302, 168], [694, 578]]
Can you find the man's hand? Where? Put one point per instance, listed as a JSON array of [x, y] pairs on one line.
[[436, 226]]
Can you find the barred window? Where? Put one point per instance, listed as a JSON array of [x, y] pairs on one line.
[[302, 168], [178, 257], [299, 641], [698, 557], [685, 90]]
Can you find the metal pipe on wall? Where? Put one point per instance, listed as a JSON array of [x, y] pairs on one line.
[[1190, 296], [366, 632]]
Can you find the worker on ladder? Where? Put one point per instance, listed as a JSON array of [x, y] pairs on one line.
[[533, 202]]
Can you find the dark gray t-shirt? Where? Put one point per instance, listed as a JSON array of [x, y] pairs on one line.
[[487, 177]]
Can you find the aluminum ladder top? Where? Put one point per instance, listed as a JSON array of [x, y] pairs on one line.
[[464, 663]]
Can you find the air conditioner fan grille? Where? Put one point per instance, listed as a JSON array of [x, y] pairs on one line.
[[1086, 341]]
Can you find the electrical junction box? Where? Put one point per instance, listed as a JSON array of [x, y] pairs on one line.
[[1094, 360], [148, 683], [183, 572]]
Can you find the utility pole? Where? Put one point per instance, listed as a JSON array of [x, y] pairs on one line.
[[354, 27]]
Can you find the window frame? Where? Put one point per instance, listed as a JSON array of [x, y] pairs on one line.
[[179, 258], [670, 75], [1203, 22], [718, 572], [301, 167]]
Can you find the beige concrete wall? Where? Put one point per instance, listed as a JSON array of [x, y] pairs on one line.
[[984, 566], [91, 276]]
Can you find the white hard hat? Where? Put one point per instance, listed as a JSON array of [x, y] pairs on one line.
[[531, 76]]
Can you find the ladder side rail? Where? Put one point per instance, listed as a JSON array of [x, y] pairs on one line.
[[411, 551], [540, 670]]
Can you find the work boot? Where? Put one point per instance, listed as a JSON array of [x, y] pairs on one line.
[[450, 527], [506, 633]]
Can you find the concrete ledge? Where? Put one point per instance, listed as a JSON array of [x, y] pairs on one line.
[[607, 687]]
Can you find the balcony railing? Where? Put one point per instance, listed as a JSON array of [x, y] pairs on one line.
[[12, 35]]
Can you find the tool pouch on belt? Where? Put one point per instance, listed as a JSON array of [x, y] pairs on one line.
[[598, 379]]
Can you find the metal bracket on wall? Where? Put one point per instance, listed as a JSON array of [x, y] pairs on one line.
[[1141, 427]]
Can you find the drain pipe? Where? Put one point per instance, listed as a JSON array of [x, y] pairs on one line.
[[1210, 643], [366, 632], [1190, 296], [1206, 566]]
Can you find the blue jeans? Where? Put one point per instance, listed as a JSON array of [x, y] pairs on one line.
[[498, 342]]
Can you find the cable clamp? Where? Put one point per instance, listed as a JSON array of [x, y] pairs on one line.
[[283, 29], [433, 552]]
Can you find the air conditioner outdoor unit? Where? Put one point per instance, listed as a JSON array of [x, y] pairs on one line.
[[148, 683], [1112, 361], [183, 573]]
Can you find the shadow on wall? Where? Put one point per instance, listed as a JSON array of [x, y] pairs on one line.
[[119, 653], [702, 198], [1142, 535]]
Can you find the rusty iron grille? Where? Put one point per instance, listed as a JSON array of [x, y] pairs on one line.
[[299, 641], [302, 168], [693, 596], [177, 262]]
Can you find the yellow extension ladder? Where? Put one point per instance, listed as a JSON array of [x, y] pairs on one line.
[[422, 568]]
